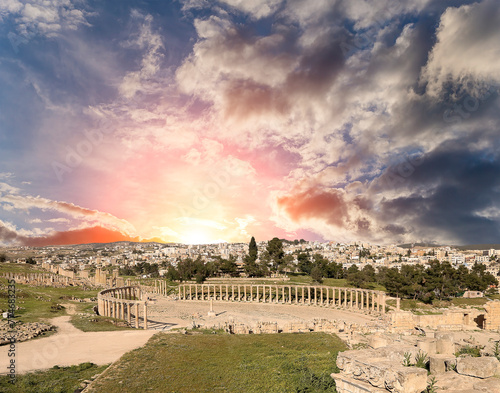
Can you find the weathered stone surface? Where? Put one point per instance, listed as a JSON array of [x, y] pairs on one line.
[[21, 331], [428, 346], [441, 363], [373, 367], [350, 385], [445, 345], [449, 382], [483, 367], [492, 316], [490, 385], [377, 341]]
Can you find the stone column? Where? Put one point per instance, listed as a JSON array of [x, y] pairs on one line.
[[321, 297], [137, 315], [251, 293], [373, 301], [290, 295], [129, 318], [245, 292], [302, 300], [378, 302], [145, 315], [383, 303], [239, 293], [227, 292], [277, 293], [232, 291], [309, 295]]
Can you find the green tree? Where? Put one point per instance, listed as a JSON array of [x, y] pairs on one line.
[[304, 263], [30, 261], [3, 258], [251, 267], [355, 276], [317, 274], [228, 266], [252, 249], [276, 253]]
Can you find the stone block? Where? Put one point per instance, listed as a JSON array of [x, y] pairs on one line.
[[445, 346], [490, 385], [483, 367], [441, 363], [350, 385], [377, 341], [374, 368]]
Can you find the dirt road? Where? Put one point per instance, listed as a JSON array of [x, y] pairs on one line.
[[70, 346]]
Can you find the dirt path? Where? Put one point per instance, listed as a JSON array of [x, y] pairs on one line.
[[70, 308], [70, 346]]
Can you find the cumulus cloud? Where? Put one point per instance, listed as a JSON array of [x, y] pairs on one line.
[[351, 119], [45, 17], [151, 43], [466, 48]]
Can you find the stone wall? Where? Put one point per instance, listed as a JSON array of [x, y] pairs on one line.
[[453, 320], [492, 317], [460, 319], [318, 325]]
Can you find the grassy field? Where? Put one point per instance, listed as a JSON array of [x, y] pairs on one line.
[[94, 323], [40, 303], [19, 268], [55, 380], [227, 363]]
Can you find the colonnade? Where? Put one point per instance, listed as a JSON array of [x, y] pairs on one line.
[[123, 303], [42, 278], [347, 298]]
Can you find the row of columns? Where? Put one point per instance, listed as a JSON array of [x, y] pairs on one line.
[[123, 303], [40, 277], [349, 298]]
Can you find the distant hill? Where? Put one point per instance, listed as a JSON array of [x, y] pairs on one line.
[[410, 245], [479, 247]]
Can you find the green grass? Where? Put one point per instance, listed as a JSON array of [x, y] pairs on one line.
[[55, 380], [469, 351], [95, 323], [460, 301], [41, 303], [20, 268], [227, 363]]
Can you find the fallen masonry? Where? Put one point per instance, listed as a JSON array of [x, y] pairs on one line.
[[388, 365], [21, 331]]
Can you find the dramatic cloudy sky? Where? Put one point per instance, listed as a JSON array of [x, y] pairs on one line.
[[201, 120]]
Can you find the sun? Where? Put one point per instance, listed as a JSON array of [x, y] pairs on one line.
[[197, 236]]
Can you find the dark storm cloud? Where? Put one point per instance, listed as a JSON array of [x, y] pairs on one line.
[[454, 193]]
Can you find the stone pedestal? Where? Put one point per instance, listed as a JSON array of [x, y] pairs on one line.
[[441, 363], [427, 346]]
